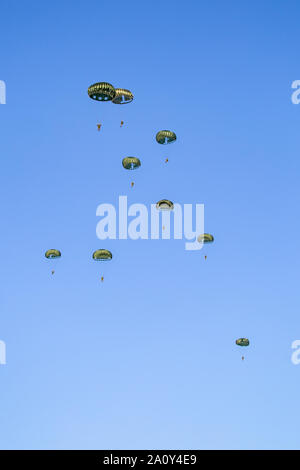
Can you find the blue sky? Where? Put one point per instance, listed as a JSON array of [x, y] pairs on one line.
[[147, 359]]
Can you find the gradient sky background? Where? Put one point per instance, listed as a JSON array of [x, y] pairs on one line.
[[148, 358]]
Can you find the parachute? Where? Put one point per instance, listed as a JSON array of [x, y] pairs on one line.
[[102, 255], [52, 254], [165, 205], [205, 238], [102, 91], [131, 163], [242, 342], [122, 96], [165, 137]]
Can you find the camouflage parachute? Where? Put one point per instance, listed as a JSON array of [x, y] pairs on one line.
[[242, 342], [131, 163], [205, 238], [101, 91], [122, 96], [52, 254], [165, 137], [165, 205], [102, 255]]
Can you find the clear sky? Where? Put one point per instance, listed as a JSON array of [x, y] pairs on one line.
[[147, 359]]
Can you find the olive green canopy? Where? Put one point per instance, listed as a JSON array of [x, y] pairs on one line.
[[51, 254], [131, 163], [122, 96], [165, 205], [205, 238], [165, 137], [102, 255], [102, 91], [242, 342]]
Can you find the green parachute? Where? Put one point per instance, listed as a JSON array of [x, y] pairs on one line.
[[102, 91], [242, 342], [205, 238], [165, 205], [165, 137], [122, 96], [52, 254], [102, 255], [131, 163]]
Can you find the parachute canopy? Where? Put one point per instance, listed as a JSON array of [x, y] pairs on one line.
[[165, 205], [165, 137], [102, 91], [131, 163], [205, 238], [122, 96], [242, 342], [51, 254], [102, 255]]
